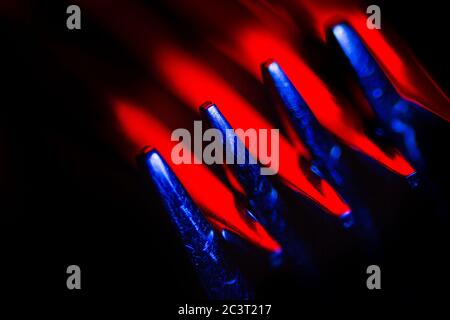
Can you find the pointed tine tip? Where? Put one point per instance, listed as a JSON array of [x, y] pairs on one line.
[[347, 38], [275, 78], [281, 88], [210, 112], [266, 64], [173, 195], [206, 105], [143, 155], [270, 69], [339, 29], [158, 170], [146, 150], [153, 159], [168, 185], [353, 48], [214, 117]]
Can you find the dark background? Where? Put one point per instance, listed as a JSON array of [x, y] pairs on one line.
[[68, 197]]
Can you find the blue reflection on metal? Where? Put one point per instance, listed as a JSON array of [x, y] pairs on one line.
[[397, 116], [324, 148], [199, 239], [263, 199], [327, 154], [413, 180], [247, 171], [347, 220]]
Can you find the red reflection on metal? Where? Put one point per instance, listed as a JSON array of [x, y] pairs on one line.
[[255, 44], [407, 74], [194, 83], [215, 200]]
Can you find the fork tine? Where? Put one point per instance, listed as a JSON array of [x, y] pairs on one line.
[[264, 200], [199, 239], [325, 149], [397, 116]]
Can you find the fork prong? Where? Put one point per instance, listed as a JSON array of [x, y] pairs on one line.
[[199, 239], [247, 171], [325, 149], [396, 115], [263, 199]]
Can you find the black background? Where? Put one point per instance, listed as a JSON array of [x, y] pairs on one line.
[[68, 197]]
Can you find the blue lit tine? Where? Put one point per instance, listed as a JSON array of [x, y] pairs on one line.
[[200, 240]]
